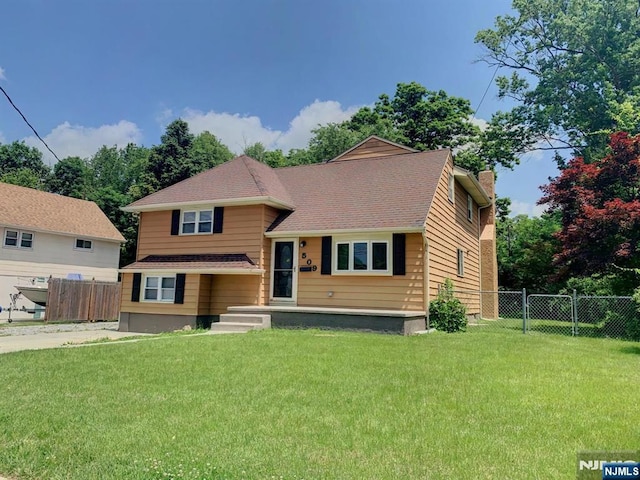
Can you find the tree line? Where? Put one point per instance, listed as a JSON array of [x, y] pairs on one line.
[[573, 74]]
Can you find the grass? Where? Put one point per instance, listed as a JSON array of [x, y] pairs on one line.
[[318, 405]]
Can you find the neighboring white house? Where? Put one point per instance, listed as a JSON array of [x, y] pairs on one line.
[[44, 234]]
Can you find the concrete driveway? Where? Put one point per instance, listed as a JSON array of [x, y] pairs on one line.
[[15, 338]]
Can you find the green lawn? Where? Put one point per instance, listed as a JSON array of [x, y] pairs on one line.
[[318, 405]]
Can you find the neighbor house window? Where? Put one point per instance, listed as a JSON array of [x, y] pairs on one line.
[[198, 221], [460, 263], [452, 187], [82, 244], [18, 239], [159, 289], [362, 256], [469, 208]]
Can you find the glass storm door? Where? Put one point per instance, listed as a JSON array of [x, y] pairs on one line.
[[284, 270]]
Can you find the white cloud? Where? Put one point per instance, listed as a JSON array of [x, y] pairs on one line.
[[524, 208], [76, 140], [479, 122], [2, 74], [238, 131]]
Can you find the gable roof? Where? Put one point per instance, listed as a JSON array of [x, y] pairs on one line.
[[241, 180], [372, 146], [28, 209], [381, 193]]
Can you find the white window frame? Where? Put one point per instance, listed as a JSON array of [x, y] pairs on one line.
[[460, 261], [369, 241], [452, 187], [197, 221], [83, 248], [158, 289], [469, 207], [19, 239]]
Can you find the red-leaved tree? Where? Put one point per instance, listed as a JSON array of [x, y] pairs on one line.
[[600, 207]]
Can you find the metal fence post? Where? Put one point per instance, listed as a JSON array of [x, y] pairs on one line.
[[524, 310], [575, 313]]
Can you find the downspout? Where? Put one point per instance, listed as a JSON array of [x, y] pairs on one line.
[[425, 275], [480, 254]]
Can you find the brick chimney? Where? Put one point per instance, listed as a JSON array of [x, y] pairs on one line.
[[488, 249]]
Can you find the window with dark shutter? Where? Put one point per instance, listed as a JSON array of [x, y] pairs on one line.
[[135, 289], [218, 216], [325, 257], [175, 222], [180, 281], [399, 253]]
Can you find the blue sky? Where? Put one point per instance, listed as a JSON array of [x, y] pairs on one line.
[[88, 73]]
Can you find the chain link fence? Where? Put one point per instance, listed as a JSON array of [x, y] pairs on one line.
[[573, 315]]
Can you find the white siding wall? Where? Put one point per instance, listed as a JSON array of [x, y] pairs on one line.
[[52, 255]]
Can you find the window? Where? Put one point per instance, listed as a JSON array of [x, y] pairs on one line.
[[469, 208], [460, 263], [159, 289], [18, 239], [452, 187], [362, 256], [195, 222], [82, 244]]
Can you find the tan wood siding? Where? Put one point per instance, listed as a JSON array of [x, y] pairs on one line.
[[269, 215], [373, 148], [242, 233], [234, 290], [204, 295], [401, 292], [189, 307], [448, 230]]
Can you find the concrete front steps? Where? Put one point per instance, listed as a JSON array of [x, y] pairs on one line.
[[241, 322]]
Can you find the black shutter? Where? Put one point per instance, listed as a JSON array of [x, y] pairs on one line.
[[325, 267], [135, 290], [179, 296], [399, 247], [218, 216], [175, 222]]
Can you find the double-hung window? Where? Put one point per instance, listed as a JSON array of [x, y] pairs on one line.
[[18, 239], [362, 256], [469, 208], [197, 221], [460, 262], [159, 289]]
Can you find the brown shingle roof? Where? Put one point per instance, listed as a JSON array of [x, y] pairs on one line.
[[242, 177], [387, 192], [29, 209], [390, 192], [211, 261]]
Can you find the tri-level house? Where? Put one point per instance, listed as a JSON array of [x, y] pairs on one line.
[[47, 235], [361, 241]]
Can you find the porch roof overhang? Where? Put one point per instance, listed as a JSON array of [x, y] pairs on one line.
[[221, 264]]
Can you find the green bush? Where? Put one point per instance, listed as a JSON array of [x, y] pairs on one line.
[[446, 312]]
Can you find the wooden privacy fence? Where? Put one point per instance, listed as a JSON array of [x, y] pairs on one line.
[[82, 300]]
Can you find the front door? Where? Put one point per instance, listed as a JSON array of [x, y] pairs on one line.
[[284, 271]]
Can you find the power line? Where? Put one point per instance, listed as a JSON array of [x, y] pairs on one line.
[[27, 122]]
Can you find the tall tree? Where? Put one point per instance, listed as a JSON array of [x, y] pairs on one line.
[[599, 204], [169, 162], [206, 152], [574, 73], [71, 177], [526, 248], [23, 165]]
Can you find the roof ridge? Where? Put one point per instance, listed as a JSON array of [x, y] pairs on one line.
[[255, 175]]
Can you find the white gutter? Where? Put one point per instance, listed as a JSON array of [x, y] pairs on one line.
[[227, 202], [350, 231]]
